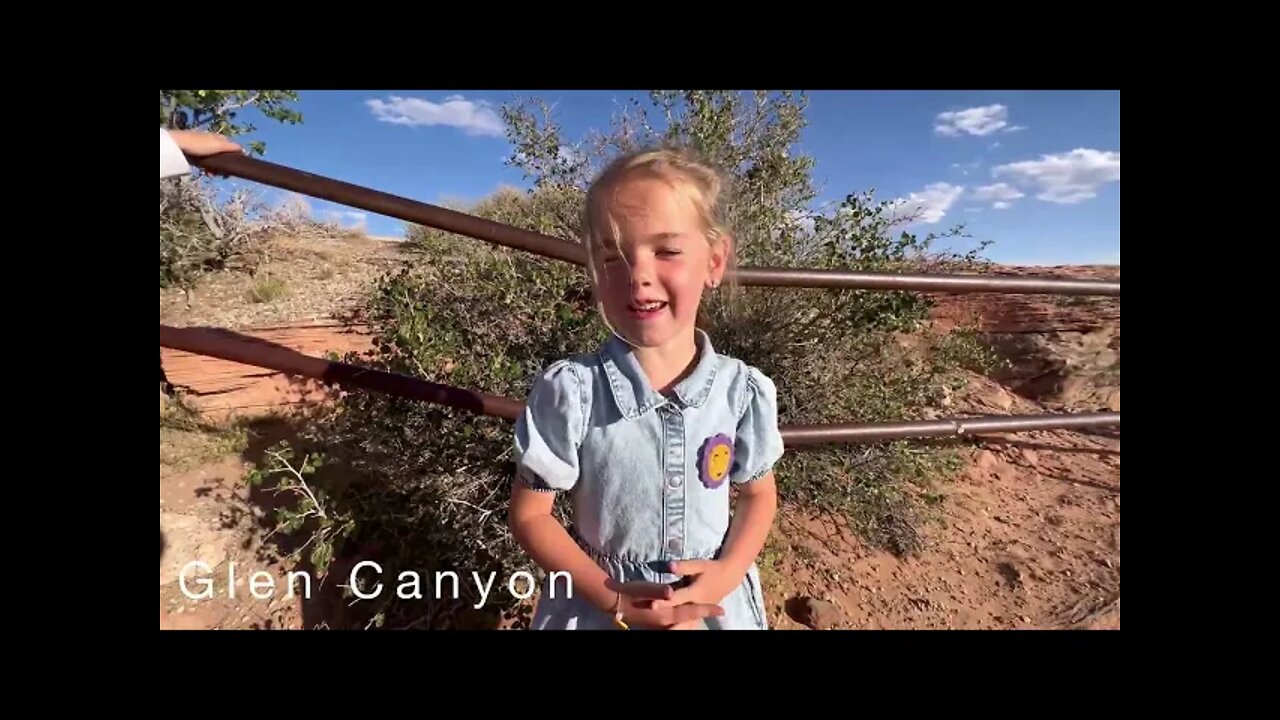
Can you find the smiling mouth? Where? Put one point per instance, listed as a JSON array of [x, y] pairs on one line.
[[647, 309]]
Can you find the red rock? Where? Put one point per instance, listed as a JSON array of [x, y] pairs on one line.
[[214, 385]]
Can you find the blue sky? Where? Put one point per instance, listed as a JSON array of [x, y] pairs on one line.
[[1035, 172]]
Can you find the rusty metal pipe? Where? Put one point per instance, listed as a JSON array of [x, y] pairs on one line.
[[797, 277], [251, 351], [390, 205], [258, 353], [947, 427], [422, 213]]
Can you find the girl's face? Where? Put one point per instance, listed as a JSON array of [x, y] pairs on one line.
[[651, 277]]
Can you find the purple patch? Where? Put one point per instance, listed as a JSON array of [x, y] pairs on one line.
[[716, 460]]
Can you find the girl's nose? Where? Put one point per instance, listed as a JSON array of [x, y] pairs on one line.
[[641, 272]]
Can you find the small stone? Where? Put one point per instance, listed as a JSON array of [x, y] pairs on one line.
[[814, 613]]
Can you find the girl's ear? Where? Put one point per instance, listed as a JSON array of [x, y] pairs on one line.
[[718, 263]]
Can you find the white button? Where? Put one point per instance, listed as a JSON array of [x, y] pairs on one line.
[[675, 481]]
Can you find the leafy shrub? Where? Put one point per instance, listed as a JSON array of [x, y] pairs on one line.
[[435, 481]]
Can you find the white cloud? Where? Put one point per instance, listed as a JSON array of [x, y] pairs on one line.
[[978, 121], [995, 144], [1000, 195], [472, 117], [964, 168], [1066, 178], [1015, 128], [928, 205]]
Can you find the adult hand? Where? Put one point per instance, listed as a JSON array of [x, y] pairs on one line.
[[202, 144]]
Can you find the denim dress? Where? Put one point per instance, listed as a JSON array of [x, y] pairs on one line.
[[649, 475]]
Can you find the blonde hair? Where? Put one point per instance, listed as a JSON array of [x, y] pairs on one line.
[[704, 185]]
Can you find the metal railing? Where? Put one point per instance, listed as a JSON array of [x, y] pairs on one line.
[[552, 247], [249, 351], [252, 351]]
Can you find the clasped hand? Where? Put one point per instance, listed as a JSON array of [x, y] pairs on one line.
[[663, 606]]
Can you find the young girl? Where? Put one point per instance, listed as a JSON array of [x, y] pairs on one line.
[[650, 431]]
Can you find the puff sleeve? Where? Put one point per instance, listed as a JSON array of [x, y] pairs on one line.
[[549, 431], [758, 445], [172, 161]]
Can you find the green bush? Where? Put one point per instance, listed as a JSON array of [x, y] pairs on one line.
[[434, 481]]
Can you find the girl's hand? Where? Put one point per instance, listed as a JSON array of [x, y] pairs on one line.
[[710, 581], [646, 604]]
